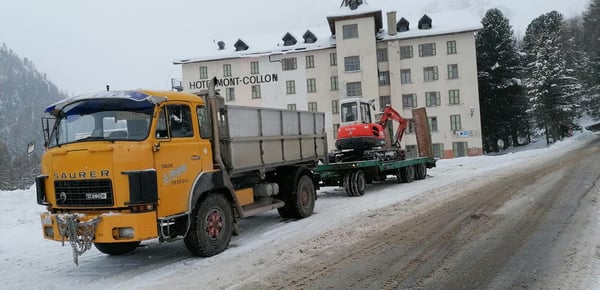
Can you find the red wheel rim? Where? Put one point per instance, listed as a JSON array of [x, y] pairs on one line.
[[214, 224]]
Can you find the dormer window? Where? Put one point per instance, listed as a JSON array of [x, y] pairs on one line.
[[309, 37], [288, 39], [425, 22], [240, 45], [403, 25]]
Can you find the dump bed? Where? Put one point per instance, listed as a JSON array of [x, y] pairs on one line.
[[263, 138]]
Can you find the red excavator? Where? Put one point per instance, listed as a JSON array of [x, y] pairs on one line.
[[361, 139]]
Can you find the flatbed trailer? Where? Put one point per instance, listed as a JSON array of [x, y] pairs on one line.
[[353, 176]]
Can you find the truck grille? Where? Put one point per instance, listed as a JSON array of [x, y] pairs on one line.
[[93, 192]]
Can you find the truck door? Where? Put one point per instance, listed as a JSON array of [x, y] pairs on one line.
[[180, 156]]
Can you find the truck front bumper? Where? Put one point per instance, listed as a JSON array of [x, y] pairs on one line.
[[107, 227]]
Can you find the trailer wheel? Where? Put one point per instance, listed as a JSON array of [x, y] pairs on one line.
[[116, 248], [420, 171], [358, 183], [211, 226], [300, 200], [346, 183], [406, 174]]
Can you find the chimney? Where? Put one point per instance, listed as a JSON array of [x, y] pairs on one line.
[[391, 23]]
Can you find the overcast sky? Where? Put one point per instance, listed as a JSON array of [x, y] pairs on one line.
[[84, 45]]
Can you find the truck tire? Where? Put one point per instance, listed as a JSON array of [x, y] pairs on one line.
[[420, 171], [116, 249], [211, 226], [358, 183], [299, 199], [406, 174]]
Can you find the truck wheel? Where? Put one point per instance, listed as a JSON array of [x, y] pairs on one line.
[[358, 183], [116, 248], [406, 174], [211, 226], [420, 171], [300, 200]]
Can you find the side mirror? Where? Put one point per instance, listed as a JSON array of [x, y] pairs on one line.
[[30, 147]]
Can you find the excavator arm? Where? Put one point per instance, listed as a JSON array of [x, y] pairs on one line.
[[390, 113]]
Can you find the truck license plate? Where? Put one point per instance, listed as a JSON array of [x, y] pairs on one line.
[[99, 195]]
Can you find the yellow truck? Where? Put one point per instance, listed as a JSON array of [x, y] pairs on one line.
[[121, 167]]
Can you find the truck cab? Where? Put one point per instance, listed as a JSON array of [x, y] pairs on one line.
[[122, 167]]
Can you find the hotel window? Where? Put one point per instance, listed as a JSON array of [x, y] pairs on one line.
[[256, 92], [430, 73], [455, 122], [433, 124], [311, 85], [411, 126], [333, 59], [384, 101], [226, 70], [460, 149], [406, 52], [230, 94], [310, 61], [290, 87], [291, 107], [288, 63], [405, 77], [411, 151], [334, 83], [454, 97], [451, 46], [432, 99], [438, 150], [452, 71], [312, 106], [382, 55], [427, 49], [409, 101], [353, 89], [384, 78], [352, 63], [335, 107], [254, 67], [350, 31], [203, 72]]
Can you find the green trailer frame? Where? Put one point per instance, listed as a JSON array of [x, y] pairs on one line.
[[355, 175]]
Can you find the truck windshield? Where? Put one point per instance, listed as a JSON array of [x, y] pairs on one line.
[[102, 119]]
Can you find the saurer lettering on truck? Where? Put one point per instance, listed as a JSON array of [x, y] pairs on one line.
[[81, 174]]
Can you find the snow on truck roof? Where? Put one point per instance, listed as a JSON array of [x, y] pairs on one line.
[[154, 97]]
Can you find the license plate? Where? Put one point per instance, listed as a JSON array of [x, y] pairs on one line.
[[99, 195]]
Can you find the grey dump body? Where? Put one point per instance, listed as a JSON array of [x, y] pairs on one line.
[[254, 138]]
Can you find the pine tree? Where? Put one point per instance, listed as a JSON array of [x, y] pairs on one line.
[[503, 104], [551, 85], [591, 30]]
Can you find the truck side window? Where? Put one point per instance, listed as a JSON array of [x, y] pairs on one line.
[[180, 121], [161, 125], [204, 122]]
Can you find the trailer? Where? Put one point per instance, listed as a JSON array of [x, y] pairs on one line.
[[353, 176], [366, 153]]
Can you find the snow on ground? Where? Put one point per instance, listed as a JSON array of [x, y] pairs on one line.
[[27, 261]]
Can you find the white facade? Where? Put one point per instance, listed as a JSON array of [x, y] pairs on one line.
[[453, 105]]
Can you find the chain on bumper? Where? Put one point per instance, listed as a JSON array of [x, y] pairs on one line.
[[80, 234]]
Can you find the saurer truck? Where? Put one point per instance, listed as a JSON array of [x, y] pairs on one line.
[[121, 167], [369, 152]]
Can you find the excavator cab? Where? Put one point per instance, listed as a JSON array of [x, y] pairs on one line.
[[355, 111]]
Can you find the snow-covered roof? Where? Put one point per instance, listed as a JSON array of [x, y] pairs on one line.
[[272, 43]]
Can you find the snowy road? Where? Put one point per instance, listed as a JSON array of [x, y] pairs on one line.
[[267, 247]]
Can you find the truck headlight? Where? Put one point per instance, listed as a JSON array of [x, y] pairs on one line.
[[125, 233]]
